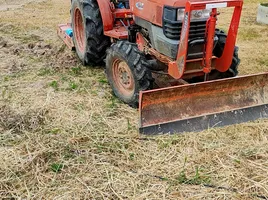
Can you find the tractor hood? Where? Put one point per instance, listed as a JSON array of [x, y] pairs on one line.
[[174, 3], [152, 10]]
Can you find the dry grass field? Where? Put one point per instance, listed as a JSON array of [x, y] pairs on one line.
[[63, 135]]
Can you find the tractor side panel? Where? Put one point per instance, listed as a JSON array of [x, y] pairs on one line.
[[106, 14]]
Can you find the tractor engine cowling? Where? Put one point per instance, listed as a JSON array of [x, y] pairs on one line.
[[165, 38]]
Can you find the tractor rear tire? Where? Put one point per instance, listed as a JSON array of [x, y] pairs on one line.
[[233, 70], [90, 42], [127, 72]]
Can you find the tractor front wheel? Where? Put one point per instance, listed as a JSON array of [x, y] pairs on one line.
[[233, 70], [127, 72]]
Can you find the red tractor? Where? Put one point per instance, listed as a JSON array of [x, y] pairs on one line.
[[168, 57]]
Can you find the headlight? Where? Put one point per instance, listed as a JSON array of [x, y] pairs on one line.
[[196, 14]]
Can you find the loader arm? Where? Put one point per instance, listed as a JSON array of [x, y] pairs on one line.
[[177, 68]]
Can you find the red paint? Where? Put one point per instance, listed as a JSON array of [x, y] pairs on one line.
[[119, 32], [223, 63], [209, 46], [79, 30], [106, 14], [66, 38], [142, 44]]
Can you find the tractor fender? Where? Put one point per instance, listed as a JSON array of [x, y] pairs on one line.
[[106, 14]]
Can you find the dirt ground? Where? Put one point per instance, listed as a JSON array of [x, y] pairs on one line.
[[15, 4], [63, 135]]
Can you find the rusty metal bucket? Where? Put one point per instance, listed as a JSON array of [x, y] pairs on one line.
[[197, 107]]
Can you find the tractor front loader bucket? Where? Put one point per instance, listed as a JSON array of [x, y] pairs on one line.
[[196, 107]]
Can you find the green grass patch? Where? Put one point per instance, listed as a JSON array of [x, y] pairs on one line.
[[169, 141], [56, 167], [54, 85], [249, 34], [77, 71], [73, 86], [46, 72], [55, 131], [112, 102], [103, 80], [197, 179], [263, 61], [264, 4], [25, 39], [131, 156]]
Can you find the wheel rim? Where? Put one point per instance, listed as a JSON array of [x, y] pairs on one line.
[[123, 78], [79, 30]]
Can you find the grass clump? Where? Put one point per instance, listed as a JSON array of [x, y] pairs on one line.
[[54, 85], [264, 4], [56, 167]]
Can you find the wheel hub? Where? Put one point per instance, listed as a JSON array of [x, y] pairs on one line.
[[123, 77]]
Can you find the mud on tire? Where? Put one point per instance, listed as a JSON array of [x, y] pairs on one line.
[[127, 72], [89, 40]]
